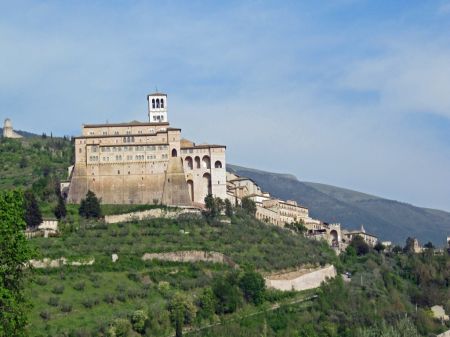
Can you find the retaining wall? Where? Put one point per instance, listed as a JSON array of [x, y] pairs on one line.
[[191, 256], [309, 280], [151, 213]]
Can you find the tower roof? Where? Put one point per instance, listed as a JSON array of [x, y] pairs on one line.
[[157, 94]]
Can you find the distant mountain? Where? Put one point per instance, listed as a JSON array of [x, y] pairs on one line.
[[388, 219]]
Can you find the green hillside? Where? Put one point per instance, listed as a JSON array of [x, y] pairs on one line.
[[34, 160], [87, 299], [389, 219]]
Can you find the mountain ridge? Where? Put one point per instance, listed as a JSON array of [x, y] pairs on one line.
[[389, 219]]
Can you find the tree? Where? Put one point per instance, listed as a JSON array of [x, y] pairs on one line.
[[379, 247], [361, 247], [207, 304], [227, 293], [429, 245], [248, 205], [253, 286], [182, 311], [14, 253], [90, 207], [228, 208], [60, 209], [214, 206], [33, 216], [138, 319]]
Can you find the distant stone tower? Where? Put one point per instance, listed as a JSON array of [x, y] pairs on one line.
[[157, 107], [8, 131]]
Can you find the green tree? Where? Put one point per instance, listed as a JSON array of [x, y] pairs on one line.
[[228, 208], [361, 247], [90, 207], [33, 216], [227, 293], [213, 206], [14, 253], [207, 304], [248, 205], [379, 247], [138, 319], [60, 209], [253, 286], [182, 311]]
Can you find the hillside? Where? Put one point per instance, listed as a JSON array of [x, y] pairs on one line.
[[389, 219], [22, 133]]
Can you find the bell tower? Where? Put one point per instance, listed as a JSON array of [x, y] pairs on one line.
[[157, 107]]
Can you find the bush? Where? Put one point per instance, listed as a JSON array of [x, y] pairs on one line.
[[79, 286], [42, 281], [138, 319], [58, 290], [120, 327], [45, 315], [253, 287], [53, 301], [109, 298], [66, 307]]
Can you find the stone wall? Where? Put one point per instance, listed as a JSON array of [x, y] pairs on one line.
[[49, 263], [301, 280], [151, 213], [191, 256]]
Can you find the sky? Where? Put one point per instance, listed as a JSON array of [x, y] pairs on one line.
[[352, 93]]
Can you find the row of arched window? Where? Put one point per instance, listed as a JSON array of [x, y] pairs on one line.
[[158, 103], [205, 162]]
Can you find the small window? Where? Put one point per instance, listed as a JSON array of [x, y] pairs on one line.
[[162, 103]]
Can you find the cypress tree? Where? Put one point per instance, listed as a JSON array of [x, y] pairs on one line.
[[33, 216]]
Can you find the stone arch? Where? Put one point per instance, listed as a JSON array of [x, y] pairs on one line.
[[197, 162], [334, 236], [189, 163], [218, 164], [157, 103], [206, 162], [153, 103], [207, 183], [190, 184], [162, 103], [174, 152]]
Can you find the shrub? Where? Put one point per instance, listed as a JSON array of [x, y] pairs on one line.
[[66, 307], [109, 298], [58, 290], [79, 286], [42, 281], [133, 277], [45, 315], [253, 287], [138, 319], [122, 297], [89, 302], [119, 328], [53, 301]]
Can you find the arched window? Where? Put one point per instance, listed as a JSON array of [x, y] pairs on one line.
[[157, 103], [174, 152], [153, 103], [162, 103], [189, 163], [197, 162], [218, 164], [206, 162]]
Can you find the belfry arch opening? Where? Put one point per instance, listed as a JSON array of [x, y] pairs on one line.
[[174, 152], [189, 163], [197, 162], [218, 164]]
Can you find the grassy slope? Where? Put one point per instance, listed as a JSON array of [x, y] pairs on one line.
[[24, 161], [245, 240], [391, 220]]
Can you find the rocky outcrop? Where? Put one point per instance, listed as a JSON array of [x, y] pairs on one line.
[[191, 256], [301, 280]]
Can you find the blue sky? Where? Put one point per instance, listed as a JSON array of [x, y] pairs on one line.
[[352, 93]]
